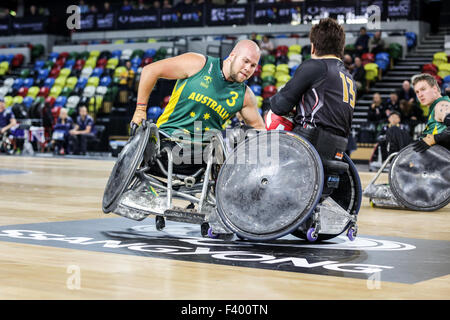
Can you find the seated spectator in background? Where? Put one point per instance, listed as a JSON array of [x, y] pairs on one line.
[[32, 11], [362, 42], [359, 75], [376, 44], [126, 6], [84, 8], [166, 4], [377, 112], [411, 114], [60, 136], [106, 7], [156, 5], [393, 104], [348, 62], [82, 131], [7, 118], [266, 46], [253, 38], [141, 5], [407, 92], [93, 9], [394, 136]]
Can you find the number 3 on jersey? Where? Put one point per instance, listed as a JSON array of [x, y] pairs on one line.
[[346, 91], [235, 95]]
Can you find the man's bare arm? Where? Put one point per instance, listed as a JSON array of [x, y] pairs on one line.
[[179, 67], [249, 111]]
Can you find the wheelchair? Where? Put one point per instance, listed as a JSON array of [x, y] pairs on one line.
[[269, 185], [417, 181]]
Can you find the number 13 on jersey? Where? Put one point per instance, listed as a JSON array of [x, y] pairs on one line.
[[348, 90]]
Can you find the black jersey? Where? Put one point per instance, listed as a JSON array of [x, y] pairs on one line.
[[323, 92]]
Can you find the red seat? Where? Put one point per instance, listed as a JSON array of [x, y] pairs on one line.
[[50, 101], [63, 55], [54, 73], [55, 112], [101, 63], [258, 71], [282, 50], [269, 91], [146, 61], [79, 64], [368, 57], [43, 92], [165, 101], [17, 60], [23, 92], [429, 68]]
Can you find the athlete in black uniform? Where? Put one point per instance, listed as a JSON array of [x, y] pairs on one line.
[[324, 95]]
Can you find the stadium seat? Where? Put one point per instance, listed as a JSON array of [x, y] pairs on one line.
[[81, 83], [93, 81], [50, 101], [66, 91], [8, 101], [17, 99], [443, 70], [27, 101], [65, 72], [55, 91], [269, 91], [112, 63], [295, 49], [71, 82], [91, 62], [33, 92], [429, 68], [3, 91], [439, 58], [60, 81], [150, 53], [18, 83], [61, 101], [28, 82], [43, 92], [86, 72], [97, 72], [371, 71], [105, 81], [257, 90], [23, 91]]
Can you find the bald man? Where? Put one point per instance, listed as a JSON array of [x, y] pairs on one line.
[[208, 91]]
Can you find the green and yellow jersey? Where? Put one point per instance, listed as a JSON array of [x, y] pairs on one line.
[[434, 127], [202, 102]]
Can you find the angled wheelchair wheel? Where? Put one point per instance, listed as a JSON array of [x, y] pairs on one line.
[[348, 196], [268, 185], [421, 181], [129, 160]]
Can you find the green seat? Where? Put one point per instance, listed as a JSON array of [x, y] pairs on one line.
[[269, 79], [25, 73], [66, 91], [137, 53]]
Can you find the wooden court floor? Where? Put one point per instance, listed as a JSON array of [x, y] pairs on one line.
[[58, 189]]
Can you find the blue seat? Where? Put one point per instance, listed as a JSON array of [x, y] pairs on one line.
[[150, 53], [256, 89], [116, 54], [97, 72], [105, 81], [18, 83], [69, 63], [154, 112], [81, 83], [43, 74], [9, 57], [447, 79], [383, 56], [382, 64], [60, 101], [292, 70], [136, 62], [49, 82], [2, 57], [28, 101], [39, 64], [28, 82]]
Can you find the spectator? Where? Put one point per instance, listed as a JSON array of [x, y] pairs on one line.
[[126, 6], [266, 46], [32, 11], [7, 118], [83, 7], [376, 44], [392, 104], [377, 111], [141, 5], [130, 74], [253, 38], [359, 75], [166, 4], [407, 92], [156, 4], [83, 130], [412, 114], [60, 137], [394, 136], [362, 42], [106, 7], [93, 9], [348, 62]]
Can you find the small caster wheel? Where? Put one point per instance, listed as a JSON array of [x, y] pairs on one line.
[[160, 223], [211, 234], [351, 233], [204, 228], [311, 235]]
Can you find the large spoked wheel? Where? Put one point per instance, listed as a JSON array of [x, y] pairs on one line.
[[421, 181], [129, 160], [348, 196], [269, 185]]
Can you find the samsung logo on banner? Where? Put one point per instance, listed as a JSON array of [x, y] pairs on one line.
[[398, 9], [106, 22], [138, 19]]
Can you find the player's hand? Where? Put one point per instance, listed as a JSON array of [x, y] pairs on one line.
[[140, 114], [420, 146]]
